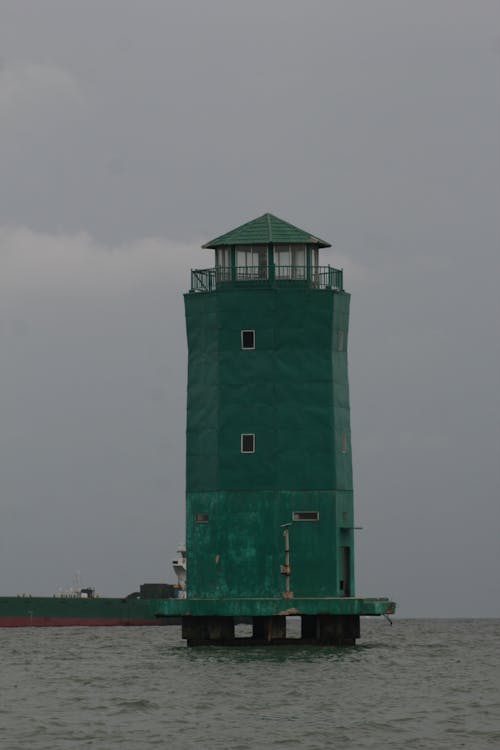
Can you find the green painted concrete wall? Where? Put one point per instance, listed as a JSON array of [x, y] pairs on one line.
[[292, 392]]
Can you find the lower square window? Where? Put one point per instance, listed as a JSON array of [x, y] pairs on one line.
[[248, 442]]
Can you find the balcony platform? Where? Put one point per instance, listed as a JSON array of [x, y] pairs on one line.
[[276, 606], [224, 278]]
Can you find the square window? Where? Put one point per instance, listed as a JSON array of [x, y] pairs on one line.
[[248, 339], [248, 442], [201, 517]]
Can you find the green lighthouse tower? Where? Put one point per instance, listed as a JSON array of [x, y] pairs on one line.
[[269, 492]]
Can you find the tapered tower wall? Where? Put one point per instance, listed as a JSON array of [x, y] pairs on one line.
[[290, 392]]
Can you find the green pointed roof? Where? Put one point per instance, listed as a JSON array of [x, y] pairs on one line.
[[266, 228]]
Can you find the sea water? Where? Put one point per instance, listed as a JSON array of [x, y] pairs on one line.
[[415, 684]]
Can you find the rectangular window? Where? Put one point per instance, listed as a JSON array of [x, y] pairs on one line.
[[248, 339], [241, 257], [248, 442], [343, 442], [290, 261], [282, 261], [314, 266], [305, 515], [298, 261], [201, 517], [340, 341], [223, 263]]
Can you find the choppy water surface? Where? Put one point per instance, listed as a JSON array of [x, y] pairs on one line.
[[418, 684]]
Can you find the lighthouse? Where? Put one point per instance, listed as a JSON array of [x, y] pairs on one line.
[[269, 488]]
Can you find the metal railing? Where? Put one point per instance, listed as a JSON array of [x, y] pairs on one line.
[[316, 277], [203, 280], [291, 273]]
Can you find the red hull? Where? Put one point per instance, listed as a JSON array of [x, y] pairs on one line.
[[26, 621]]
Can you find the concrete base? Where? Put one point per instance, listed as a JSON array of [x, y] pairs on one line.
[[317, 630]]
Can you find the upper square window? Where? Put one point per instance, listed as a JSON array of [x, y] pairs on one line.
[[248, 339], [248, 442]]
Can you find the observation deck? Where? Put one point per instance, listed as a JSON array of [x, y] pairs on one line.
[[206, 280]]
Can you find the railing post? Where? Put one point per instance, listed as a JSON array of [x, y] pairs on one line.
[[233, 263]]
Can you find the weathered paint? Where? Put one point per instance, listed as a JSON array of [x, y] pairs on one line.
[[292, 393], [261, 607]]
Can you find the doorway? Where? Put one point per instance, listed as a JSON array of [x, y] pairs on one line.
[[345, 571]]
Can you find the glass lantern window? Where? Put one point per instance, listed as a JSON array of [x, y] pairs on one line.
[[223, 263], [290, 261], [251, 261]]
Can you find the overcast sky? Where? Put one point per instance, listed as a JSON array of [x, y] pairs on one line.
[[131, 133]]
